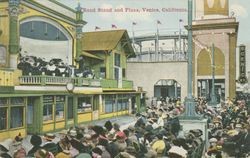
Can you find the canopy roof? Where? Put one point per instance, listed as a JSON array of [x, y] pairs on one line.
[[106, 41]]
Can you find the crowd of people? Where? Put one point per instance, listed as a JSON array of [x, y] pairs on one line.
[[156, 133]]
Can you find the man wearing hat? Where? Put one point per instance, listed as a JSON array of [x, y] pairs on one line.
[[36, 141], [49, 145], [159, 145]]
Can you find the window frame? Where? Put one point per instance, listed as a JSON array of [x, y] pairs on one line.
[[88, 106]]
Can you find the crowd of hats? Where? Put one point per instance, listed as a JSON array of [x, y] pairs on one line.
[[156, 133], [228, 124]]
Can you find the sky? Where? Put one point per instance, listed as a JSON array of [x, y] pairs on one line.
[[167, 12]]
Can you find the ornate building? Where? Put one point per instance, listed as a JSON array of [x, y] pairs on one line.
[[213, 26]]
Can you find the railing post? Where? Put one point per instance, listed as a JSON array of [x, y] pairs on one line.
[[43, 77]]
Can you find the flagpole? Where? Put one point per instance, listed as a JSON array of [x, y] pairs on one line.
[[179, 39], [133, 38], [133, 34], [157, 41]]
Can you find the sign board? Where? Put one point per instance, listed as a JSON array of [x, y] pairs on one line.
[[242, 65]]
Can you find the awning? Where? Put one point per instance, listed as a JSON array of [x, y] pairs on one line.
[[90, 55]]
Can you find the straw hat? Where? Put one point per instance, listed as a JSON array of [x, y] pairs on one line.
[[6, 144], [49, 136], [178, 151], [212, 140]]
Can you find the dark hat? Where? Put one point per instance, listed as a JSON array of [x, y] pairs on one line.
[[98, 129], [116, 126], [108, 125], [97, 151], [36, 140]]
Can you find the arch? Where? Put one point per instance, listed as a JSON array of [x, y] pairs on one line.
[[167, 88], [50, 21], [204, 62], [67, 45]]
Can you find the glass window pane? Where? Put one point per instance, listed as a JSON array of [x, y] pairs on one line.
[[84, 104], [3, 101], [30, 114], [59, 110], [47, 112], [17, 101], [108, 106], [16, 117], [119, 105], [70, 108], [109, 103], [3, 118], [117, 59], [116, 73]]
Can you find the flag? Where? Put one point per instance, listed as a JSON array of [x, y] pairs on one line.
[[180, 20], [97, 28], [134, 23], [158, 22], [113, 26]]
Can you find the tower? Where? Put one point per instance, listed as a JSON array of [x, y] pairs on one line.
[[212, 25]]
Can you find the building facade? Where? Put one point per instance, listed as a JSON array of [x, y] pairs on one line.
[[48, 80]]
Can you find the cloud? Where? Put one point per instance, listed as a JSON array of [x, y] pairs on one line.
[[124, 15], [239, 10]]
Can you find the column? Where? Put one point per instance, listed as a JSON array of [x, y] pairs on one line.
[[13, 32]]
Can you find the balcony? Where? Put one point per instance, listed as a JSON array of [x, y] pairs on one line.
[[43, 80]]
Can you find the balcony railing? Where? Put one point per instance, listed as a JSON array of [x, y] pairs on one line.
[[55, 80], [109, 83]]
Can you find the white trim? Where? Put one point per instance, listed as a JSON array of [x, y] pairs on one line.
[[46, 12], [210, 77], [41, 88]]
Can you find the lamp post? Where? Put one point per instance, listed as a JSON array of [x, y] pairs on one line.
[[213, 96], [189, 100]]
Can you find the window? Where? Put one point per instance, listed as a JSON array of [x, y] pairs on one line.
[[109, 103], [3, 118], [117, 60], [122, 103], [70, 108], [123, 72], [84, 104], [59, 110], [102, 72], [30, 112], [16, 117], [119, 105], [47, 112], [116, 73], [125, 104], [17, 101], [3, 101]]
